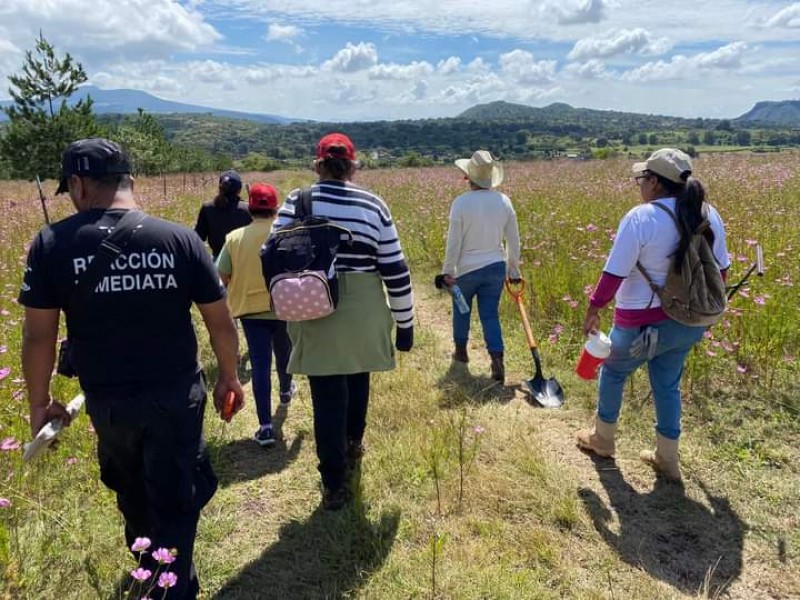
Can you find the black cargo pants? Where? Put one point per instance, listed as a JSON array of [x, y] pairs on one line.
[[152, 455]]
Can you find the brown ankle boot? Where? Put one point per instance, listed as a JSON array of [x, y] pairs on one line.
[[599, 439], [498, 368], [460, 354]]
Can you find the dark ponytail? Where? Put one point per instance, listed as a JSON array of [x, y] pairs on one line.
[[337, 168], [689, 198]]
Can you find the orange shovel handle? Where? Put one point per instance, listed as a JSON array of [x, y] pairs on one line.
[[516, 294]]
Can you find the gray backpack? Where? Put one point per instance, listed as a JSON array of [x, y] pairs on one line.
[[696, 295]]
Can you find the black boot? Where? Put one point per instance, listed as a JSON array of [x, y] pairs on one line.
[[460, 354], [498, 368]]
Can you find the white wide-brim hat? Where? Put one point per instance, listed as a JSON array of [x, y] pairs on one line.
[[482, 169]]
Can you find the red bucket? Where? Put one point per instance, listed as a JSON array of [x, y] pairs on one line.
[[595, 351]]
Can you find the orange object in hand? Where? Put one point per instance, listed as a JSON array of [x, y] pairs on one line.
[[227, 406]]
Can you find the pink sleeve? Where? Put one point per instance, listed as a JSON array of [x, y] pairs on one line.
[[605, 289]]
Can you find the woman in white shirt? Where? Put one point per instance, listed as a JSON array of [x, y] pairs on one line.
[[480, 221], [642, 331]]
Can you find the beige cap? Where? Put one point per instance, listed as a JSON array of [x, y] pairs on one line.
[[482, 169], [670, 163]]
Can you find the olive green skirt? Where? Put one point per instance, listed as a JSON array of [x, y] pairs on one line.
[[356, 338]]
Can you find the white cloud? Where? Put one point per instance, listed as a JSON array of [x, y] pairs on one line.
[[787, 17], [522, 67], [420, 90], [620, 41], [412, 70], [109, 29], [575, 12], [591, 69], [478, 65], [451, 65], [283, 33], [726, 58], [353, 58]]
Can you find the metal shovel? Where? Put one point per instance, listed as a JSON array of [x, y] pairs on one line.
[[546, 392]]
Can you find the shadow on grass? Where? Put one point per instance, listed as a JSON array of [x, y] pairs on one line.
[[680, 541], [244, 460], [329, 555], [458, 386]]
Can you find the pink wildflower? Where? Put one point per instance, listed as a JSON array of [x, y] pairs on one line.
[[167, 580], [9, 444], [760, 300], [741, 368], [4, 372], [478, 429], [5, 502], [140, 544], [72, 460], [751, 242], [711, 353], [591, 227], [141, 574], [163, 556], [588, 289]]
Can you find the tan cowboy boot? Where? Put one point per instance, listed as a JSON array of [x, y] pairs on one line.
[[664, 459], [599, 439]]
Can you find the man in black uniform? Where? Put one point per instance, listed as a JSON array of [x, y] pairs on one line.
[[134, 349], [223, 214]]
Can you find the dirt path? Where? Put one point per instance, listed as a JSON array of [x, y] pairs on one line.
[[689, 539]]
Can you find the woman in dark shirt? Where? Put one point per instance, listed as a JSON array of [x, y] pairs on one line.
[[223, 214]]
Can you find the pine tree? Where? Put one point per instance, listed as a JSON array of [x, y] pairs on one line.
[[42, 124]]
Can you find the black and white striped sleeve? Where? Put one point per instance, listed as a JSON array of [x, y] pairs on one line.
[[286, 212], [396, 276]]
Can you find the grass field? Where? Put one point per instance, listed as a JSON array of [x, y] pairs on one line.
[[467, 491]]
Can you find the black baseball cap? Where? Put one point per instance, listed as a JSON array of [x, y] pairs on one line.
[[232, 179], [92, 157]]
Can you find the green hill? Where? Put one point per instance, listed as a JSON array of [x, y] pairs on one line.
[[786, 113]]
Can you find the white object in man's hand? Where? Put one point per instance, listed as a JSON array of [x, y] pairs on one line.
[[50, 431]]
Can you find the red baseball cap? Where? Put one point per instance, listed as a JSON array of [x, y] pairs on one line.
[[336, 145], [262, 197]]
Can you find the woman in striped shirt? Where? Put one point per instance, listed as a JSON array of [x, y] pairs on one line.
[[339, 352]]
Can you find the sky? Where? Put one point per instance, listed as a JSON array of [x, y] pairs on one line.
[[366, 60]]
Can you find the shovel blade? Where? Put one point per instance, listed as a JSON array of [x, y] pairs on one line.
[[547, 393]]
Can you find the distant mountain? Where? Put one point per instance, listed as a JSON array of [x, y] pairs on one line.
[[786, 112], [559, 112], [129, 101]]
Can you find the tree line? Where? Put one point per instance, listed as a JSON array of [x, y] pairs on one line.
[[42, 123]]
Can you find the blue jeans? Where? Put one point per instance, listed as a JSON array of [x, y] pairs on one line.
[[665, 370], [263, 336], [487, 284]]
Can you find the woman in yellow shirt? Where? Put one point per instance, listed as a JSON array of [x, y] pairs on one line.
[[239, 266]]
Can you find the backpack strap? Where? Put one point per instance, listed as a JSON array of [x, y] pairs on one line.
[[641, 268], [303, 207], [669, 212], [107, 252]]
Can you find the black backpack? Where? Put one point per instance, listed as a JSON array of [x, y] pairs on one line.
[[299, 264]]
